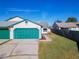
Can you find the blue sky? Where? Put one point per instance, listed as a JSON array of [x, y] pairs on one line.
[[39, 10]]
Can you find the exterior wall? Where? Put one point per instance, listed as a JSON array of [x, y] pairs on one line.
[[26, 25], [29, 25], [48, 31], [74, 29], [44, 32], [16, 19], [11, 33]]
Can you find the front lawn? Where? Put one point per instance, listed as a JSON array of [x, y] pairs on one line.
[[58, 48]]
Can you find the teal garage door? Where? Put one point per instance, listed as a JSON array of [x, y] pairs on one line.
[[26, 33], [4, 34]]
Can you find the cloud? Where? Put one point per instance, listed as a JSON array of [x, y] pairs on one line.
[[22, 10]]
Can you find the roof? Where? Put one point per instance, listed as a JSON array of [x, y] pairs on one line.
[[14, 17], [34, 22], [7, 23], [68, 25], [44, 24], [24, 20]]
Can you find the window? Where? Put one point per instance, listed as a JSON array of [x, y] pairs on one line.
[[45, 29], [77, 25]]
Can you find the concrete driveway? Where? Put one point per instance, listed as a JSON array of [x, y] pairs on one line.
[[19, 49]]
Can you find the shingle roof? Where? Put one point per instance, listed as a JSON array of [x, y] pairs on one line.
[[26, 20], [33, 22], [68, 25], [44, 24], [6, 23]]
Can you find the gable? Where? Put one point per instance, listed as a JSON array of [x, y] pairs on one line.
[[26, 24]]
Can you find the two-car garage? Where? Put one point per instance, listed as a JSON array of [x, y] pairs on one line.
[[20, 33]]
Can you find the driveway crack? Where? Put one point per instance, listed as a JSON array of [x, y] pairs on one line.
[[13, 49]]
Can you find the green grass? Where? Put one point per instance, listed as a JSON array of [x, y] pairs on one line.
[[58, 48]]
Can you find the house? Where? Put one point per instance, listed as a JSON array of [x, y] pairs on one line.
[[45, 27], [69, 30], [19, 28], [73, 26]]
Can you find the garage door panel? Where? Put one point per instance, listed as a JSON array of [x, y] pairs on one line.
[[26, 33], [4, 34]]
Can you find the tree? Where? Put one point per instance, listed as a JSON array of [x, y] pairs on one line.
[[71, 19]]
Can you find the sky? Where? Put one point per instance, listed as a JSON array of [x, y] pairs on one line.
[[39, 10]]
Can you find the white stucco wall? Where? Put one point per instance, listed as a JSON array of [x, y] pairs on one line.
[[11, 33], [44, 32], [26, 25], [49, 30]]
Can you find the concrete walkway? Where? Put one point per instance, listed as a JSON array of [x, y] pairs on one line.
[[19, 49]]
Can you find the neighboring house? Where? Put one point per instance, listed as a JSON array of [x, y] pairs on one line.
[[69, 30], [45, 27], [19, 28], [66, 28], [73, 26]]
